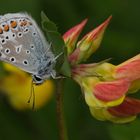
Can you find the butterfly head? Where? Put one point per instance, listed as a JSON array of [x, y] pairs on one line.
[[45, 71]]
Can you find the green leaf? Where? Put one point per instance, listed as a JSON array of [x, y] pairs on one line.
[[58, 45], [50, 25]]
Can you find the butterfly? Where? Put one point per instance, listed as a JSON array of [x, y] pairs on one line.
[[23, 45]]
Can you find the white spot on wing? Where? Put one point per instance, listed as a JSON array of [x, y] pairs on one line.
[[19, 34], [32, 46], [13, 59], [7, 50], [3, 41], [25, 62], [26, 30], [18, 48], [27, 51]]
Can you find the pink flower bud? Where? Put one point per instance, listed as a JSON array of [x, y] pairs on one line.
[[71, 36], [88, 44]]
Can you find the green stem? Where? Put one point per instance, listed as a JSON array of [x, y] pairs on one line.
[[59, 110]]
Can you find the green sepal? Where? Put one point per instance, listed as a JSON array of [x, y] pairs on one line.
[[58, 45]]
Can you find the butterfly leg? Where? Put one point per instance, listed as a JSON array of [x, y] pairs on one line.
[[57, 56], [53, 74]]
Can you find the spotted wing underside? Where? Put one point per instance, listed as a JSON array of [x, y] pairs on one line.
[[21, 42]]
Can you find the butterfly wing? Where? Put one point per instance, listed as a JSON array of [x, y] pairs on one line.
[[21, 42]]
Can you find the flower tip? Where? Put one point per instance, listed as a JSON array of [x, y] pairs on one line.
[[103, 25], [89, 43], [84, 22], [76, 30], [71, 36], [97, 31], [108, 20]]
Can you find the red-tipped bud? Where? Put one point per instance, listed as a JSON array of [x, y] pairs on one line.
[[71, 36], [88, 44]]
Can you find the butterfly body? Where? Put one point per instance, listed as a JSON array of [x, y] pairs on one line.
[[24, 45]]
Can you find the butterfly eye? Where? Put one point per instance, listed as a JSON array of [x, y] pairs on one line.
[[37, 79], [49, 63]]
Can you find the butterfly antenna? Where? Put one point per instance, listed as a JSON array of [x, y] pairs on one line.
[[33, 105], [50, 45], [29, 100], [57, 56], [32, 94]]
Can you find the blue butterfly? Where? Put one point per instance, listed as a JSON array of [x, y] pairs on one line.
[[23, 44]]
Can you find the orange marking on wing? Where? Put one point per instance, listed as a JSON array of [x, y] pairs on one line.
[[13, 24], [6, 28], [1, 31], [23, 23]]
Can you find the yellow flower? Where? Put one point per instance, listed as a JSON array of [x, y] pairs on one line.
[[17, 86]]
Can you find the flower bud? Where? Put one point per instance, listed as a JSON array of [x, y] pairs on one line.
[[88, 44], [71, 36]]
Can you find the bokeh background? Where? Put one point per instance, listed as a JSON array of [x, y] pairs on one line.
[[121, 41]]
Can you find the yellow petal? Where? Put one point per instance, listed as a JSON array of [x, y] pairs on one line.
[[17, 86], [43, 93]]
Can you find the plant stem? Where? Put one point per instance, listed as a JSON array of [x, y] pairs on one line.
[[59, 110]]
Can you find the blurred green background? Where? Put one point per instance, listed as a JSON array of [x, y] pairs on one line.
[[121, 41]]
